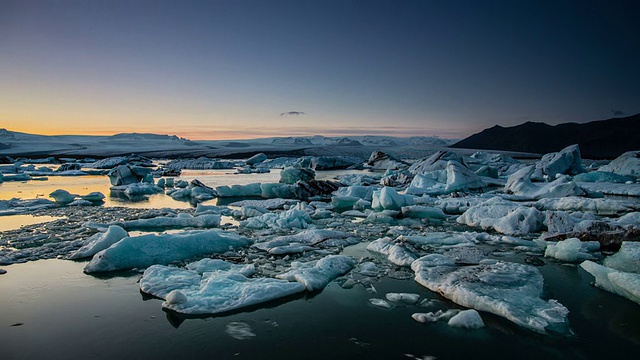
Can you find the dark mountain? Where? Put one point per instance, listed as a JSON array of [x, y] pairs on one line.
[[604, 139]]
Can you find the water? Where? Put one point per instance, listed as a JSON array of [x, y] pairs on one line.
[[62, 313], [50, 309]]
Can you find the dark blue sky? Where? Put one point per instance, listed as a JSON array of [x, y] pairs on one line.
[[221, 69]]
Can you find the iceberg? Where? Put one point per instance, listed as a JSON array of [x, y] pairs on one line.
[[146, 250], [256, 159], [290, 219], [504, 217], [627, 164], [603, 207], [437, 161], [62, 196], [519, 184], [311, 237], [182, 220], [506, 289], [291, 175], [422, 212], [315, 275], [388, 199], [466, 319], [566, 161], [381, 161], [627, 259], [212, 287], [395, 252], [99, 242], [618, 282], [569, 250], [249, 190]]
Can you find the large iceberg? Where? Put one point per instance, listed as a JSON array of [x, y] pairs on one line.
[[146, 250], [212, 286], [506, 289], [395, 251], [626, 164], [519, 183], [504, 217], [566, 161]]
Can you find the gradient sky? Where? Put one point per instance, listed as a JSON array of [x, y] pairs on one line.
[[228, 69]]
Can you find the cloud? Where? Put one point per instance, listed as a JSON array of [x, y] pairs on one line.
[[617, 112], [292, 113]]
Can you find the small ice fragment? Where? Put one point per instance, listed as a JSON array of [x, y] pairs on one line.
[[239, 330], [380, 303], [467, 319], [176, 297], [406, 298]]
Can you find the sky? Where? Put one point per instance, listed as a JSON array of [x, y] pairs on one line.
[[229, 69]]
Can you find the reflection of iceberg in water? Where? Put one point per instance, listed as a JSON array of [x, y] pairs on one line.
[[122, 197]]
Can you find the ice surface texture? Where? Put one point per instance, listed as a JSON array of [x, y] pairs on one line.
[[506, 289], [146, 250]]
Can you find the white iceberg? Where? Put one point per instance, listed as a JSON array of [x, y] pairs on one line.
[[467, 319], [568, 250], [506, 289], [627, 259], [99, 242], [504, 217], [146, 250], [217, 288], [395, 252], [290, 219], [315, 275], [618, 282], [388, 199], [626, 164]]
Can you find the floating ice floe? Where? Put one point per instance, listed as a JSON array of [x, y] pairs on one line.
[[381, 303], [566, 161], [618, 282], [382, 161], [571, 250], [466, 319], [315, 275], [437, 161], [18, 206], [62, 196], [395, 252], [506, 289], [125, 175], [212, 286], [201, 163], [422, 212], [248, 190], [627, 259], [434, 316], [309, 238], [504, 217], [182, 220], [602, 176], [604, 207], [256, 159], [405, 298], [612, 189], [519, 184], [388, 199], [290, 219], [269, 204], [195, 190], [146, 250], [291, 175], [626, 164], [99, 242]]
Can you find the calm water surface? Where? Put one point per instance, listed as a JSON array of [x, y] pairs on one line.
[[49, 309]]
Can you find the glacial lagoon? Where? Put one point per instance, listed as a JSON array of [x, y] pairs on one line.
[[51, 309]]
